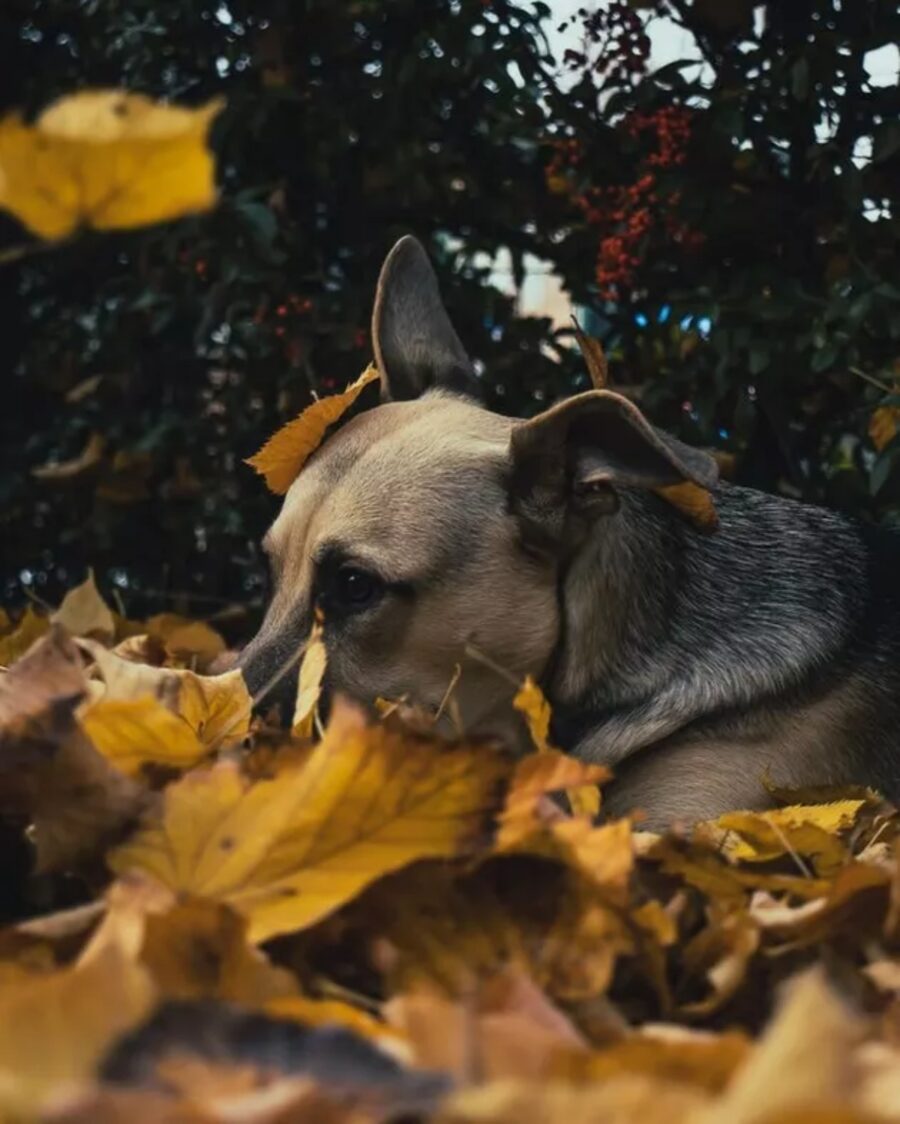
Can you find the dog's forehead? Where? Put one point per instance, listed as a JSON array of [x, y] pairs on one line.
[[436, 460]]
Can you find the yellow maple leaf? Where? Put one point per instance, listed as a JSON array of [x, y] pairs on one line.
[[106, 159], [216, 707], [279, 461], [83, 611], [309, 683], [287, 851], [809, 830], [132, 733]]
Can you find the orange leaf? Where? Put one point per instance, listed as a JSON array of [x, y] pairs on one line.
[[288, 450], [694, 502]]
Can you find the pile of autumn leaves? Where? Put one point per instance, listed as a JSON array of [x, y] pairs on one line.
[[373, 925]]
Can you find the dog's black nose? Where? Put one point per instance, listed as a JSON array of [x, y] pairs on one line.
[[269, 665]]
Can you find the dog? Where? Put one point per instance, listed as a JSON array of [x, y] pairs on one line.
[[447, 543]]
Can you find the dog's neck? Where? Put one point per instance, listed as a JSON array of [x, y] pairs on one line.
[[663, 625]]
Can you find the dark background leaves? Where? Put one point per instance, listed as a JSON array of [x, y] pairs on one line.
[[351, 123]]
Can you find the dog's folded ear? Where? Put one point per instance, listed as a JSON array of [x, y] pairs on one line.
[[574, 456], [414, 341]]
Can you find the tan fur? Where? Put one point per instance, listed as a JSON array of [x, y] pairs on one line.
[[416, 490]]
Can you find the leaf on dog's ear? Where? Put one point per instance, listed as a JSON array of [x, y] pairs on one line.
[[282, 457], [594, 357], [83, 611], [288, 851], [694, 502], [106, 159], [309, 683]]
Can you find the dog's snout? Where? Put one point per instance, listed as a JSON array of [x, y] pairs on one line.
[[269, 663]]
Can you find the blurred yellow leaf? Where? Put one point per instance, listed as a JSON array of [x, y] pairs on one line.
[[185, 640], [131, 733], [535, 778], [30, 627], [83, 611], [334, 1012], [309, 683], [279, 461], [198, 949], [89, 457], [287, 851], [883, 426], [106, 159], [55, 1028]]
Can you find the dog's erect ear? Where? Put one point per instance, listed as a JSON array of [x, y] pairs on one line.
[[571, 459], [415, 344]]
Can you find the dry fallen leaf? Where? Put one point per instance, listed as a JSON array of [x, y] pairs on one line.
[[30, 627], [217, 708], [694, 502], [280, 460], [309, 683], [189, 643], [55, 1028], [287, 851], [804, 1061], [83, 612], [883, 426], [800, 830], [106, 159], [530, 701], [131, 733], [594, 357], [89, 457]]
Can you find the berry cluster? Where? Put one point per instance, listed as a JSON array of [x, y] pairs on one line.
[[626, 216], [669, 130]]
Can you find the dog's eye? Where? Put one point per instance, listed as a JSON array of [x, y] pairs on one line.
[[355, 588]]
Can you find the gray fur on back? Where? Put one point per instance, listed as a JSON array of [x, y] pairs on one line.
[[776, 638]]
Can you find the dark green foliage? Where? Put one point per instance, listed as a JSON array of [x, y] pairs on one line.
[[349, 123]]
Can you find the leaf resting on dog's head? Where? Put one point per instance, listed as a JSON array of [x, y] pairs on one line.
[[279, 461]]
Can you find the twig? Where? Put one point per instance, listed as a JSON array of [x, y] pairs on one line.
[[476, 654], [882, 386], [256, 699]]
